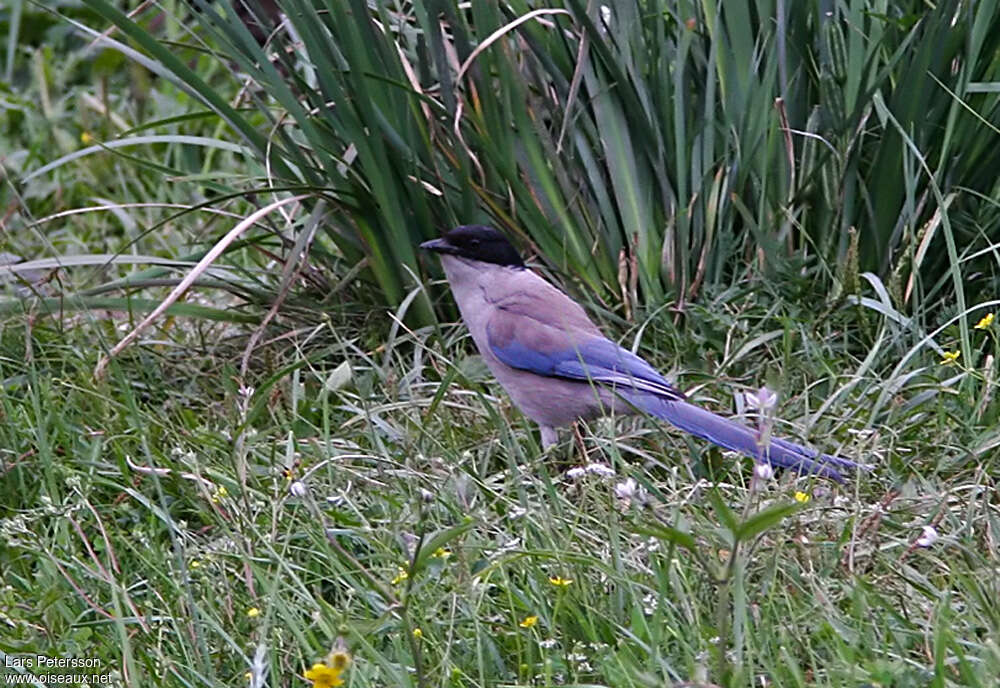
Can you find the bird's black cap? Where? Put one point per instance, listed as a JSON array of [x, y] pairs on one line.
[[476, 242]]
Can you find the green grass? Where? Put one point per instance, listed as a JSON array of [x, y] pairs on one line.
[[145, 515]]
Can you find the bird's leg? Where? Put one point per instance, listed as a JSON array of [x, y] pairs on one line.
[[578, 436], [550, 437]]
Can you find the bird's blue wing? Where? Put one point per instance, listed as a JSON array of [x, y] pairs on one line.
[[552, 337], [531, 341]]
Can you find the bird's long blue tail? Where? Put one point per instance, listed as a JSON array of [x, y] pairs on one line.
[[730, 434]]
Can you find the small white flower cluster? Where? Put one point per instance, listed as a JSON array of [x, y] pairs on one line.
[[601, 470], [629, 490], [650, 603], [581, 661]]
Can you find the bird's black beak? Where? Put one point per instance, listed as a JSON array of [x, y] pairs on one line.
[[438, 246]]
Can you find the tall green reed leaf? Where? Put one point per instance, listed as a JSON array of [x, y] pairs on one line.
[[664, 145]]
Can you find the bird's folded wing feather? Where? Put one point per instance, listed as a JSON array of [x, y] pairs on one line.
[[530, 333]]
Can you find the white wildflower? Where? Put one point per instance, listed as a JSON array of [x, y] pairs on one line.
[[601, 470], [929, 537], [762, 400], [576, 472], [627, 489], [763, 471]]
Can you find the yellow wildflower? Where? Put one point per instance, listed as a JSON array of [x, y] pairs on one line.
[[985, 322], [801, 497], [220, 493], [950, 357], [323, 676], [327, 674], [441, 553], [401, 576], [253, 612], [194, 564], [528, 622], [86, 138], [417, 633], [560, 581]]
